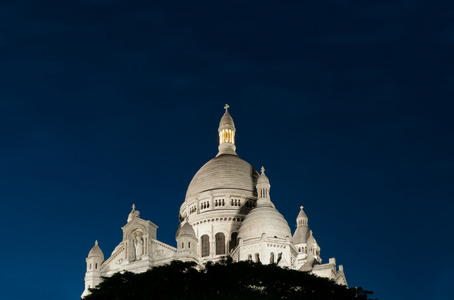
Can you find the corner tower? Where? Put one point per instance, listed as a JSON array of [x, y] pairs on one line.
[[220, 196], [93, 275]]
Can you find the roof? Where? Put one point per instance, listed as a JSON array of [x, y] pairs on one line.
[[225, 171], [186, 229], [226, 121], [96, 251], [301, 235], [264, 219]]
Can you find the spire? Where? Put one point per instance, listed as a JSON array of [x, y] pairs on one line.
[[302, 219], [226, 134]]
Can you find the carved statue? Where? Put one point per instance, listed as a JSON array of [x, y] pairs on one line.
[[138, 244]]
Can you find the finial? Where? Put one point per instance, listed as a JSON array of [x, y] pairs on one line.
[[96, 243], [301, 207], [263, 170], [226, 107], [133, 206]]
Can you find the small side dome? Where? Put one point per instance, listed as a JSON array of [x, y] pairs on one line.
[[264, 220], [96, 252], [185, 230]]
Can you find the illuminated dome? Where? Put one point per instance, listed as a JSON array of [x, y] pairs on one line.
[[186, 229], [224, 172], [264, 220], [96, 252]]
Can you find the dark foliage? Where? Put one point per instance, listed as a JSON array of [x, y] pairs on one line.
[[223, 280]]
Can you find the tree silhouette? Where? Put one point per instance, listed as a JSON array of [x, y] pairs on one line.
[[222, 280]]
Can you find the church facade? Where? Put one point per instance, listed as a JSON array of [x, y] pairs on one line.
[[227, 211]]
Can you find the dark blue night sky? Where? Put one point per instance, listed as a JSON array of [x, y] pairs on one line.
[[347, 104]]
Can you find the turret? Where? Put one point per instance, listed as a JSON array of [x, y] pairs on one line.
[[93, 275], [263, 188], [302, 233]]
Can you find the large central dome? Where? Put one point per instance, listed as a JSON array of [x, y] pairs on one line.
[[226, 171], [224, 176]]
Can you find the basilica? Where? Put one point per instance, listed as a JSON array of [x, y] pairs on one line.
[[227, 211]]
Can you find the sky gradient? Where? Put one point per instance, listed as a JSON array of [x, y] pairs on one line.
[[347, 105]]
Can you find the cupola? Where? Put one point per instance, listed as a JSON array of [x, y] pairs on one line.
[[226, 134], [96, 252]]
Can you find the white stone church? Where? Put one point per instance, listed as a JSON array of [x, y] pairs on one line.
[[227, 211]]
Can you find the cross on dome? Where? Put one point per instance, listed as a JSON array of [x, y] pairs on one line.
[[226, 107], [301, 207], [263, 170], [96, 242], [133, 206]]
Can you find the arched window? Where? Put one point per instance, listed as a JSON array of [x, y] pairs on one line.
[[249, 257], [257, 257], [205, 245], [233, 241], [271, 258], [182, 245], [96, 266], [189, 244], [220, 243]]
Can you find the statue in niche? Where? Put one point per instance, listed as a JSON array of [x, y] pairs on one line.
[[138, 245]]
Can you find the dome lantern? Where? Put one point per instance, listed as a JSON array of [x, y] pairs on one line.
[[226, 134]]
